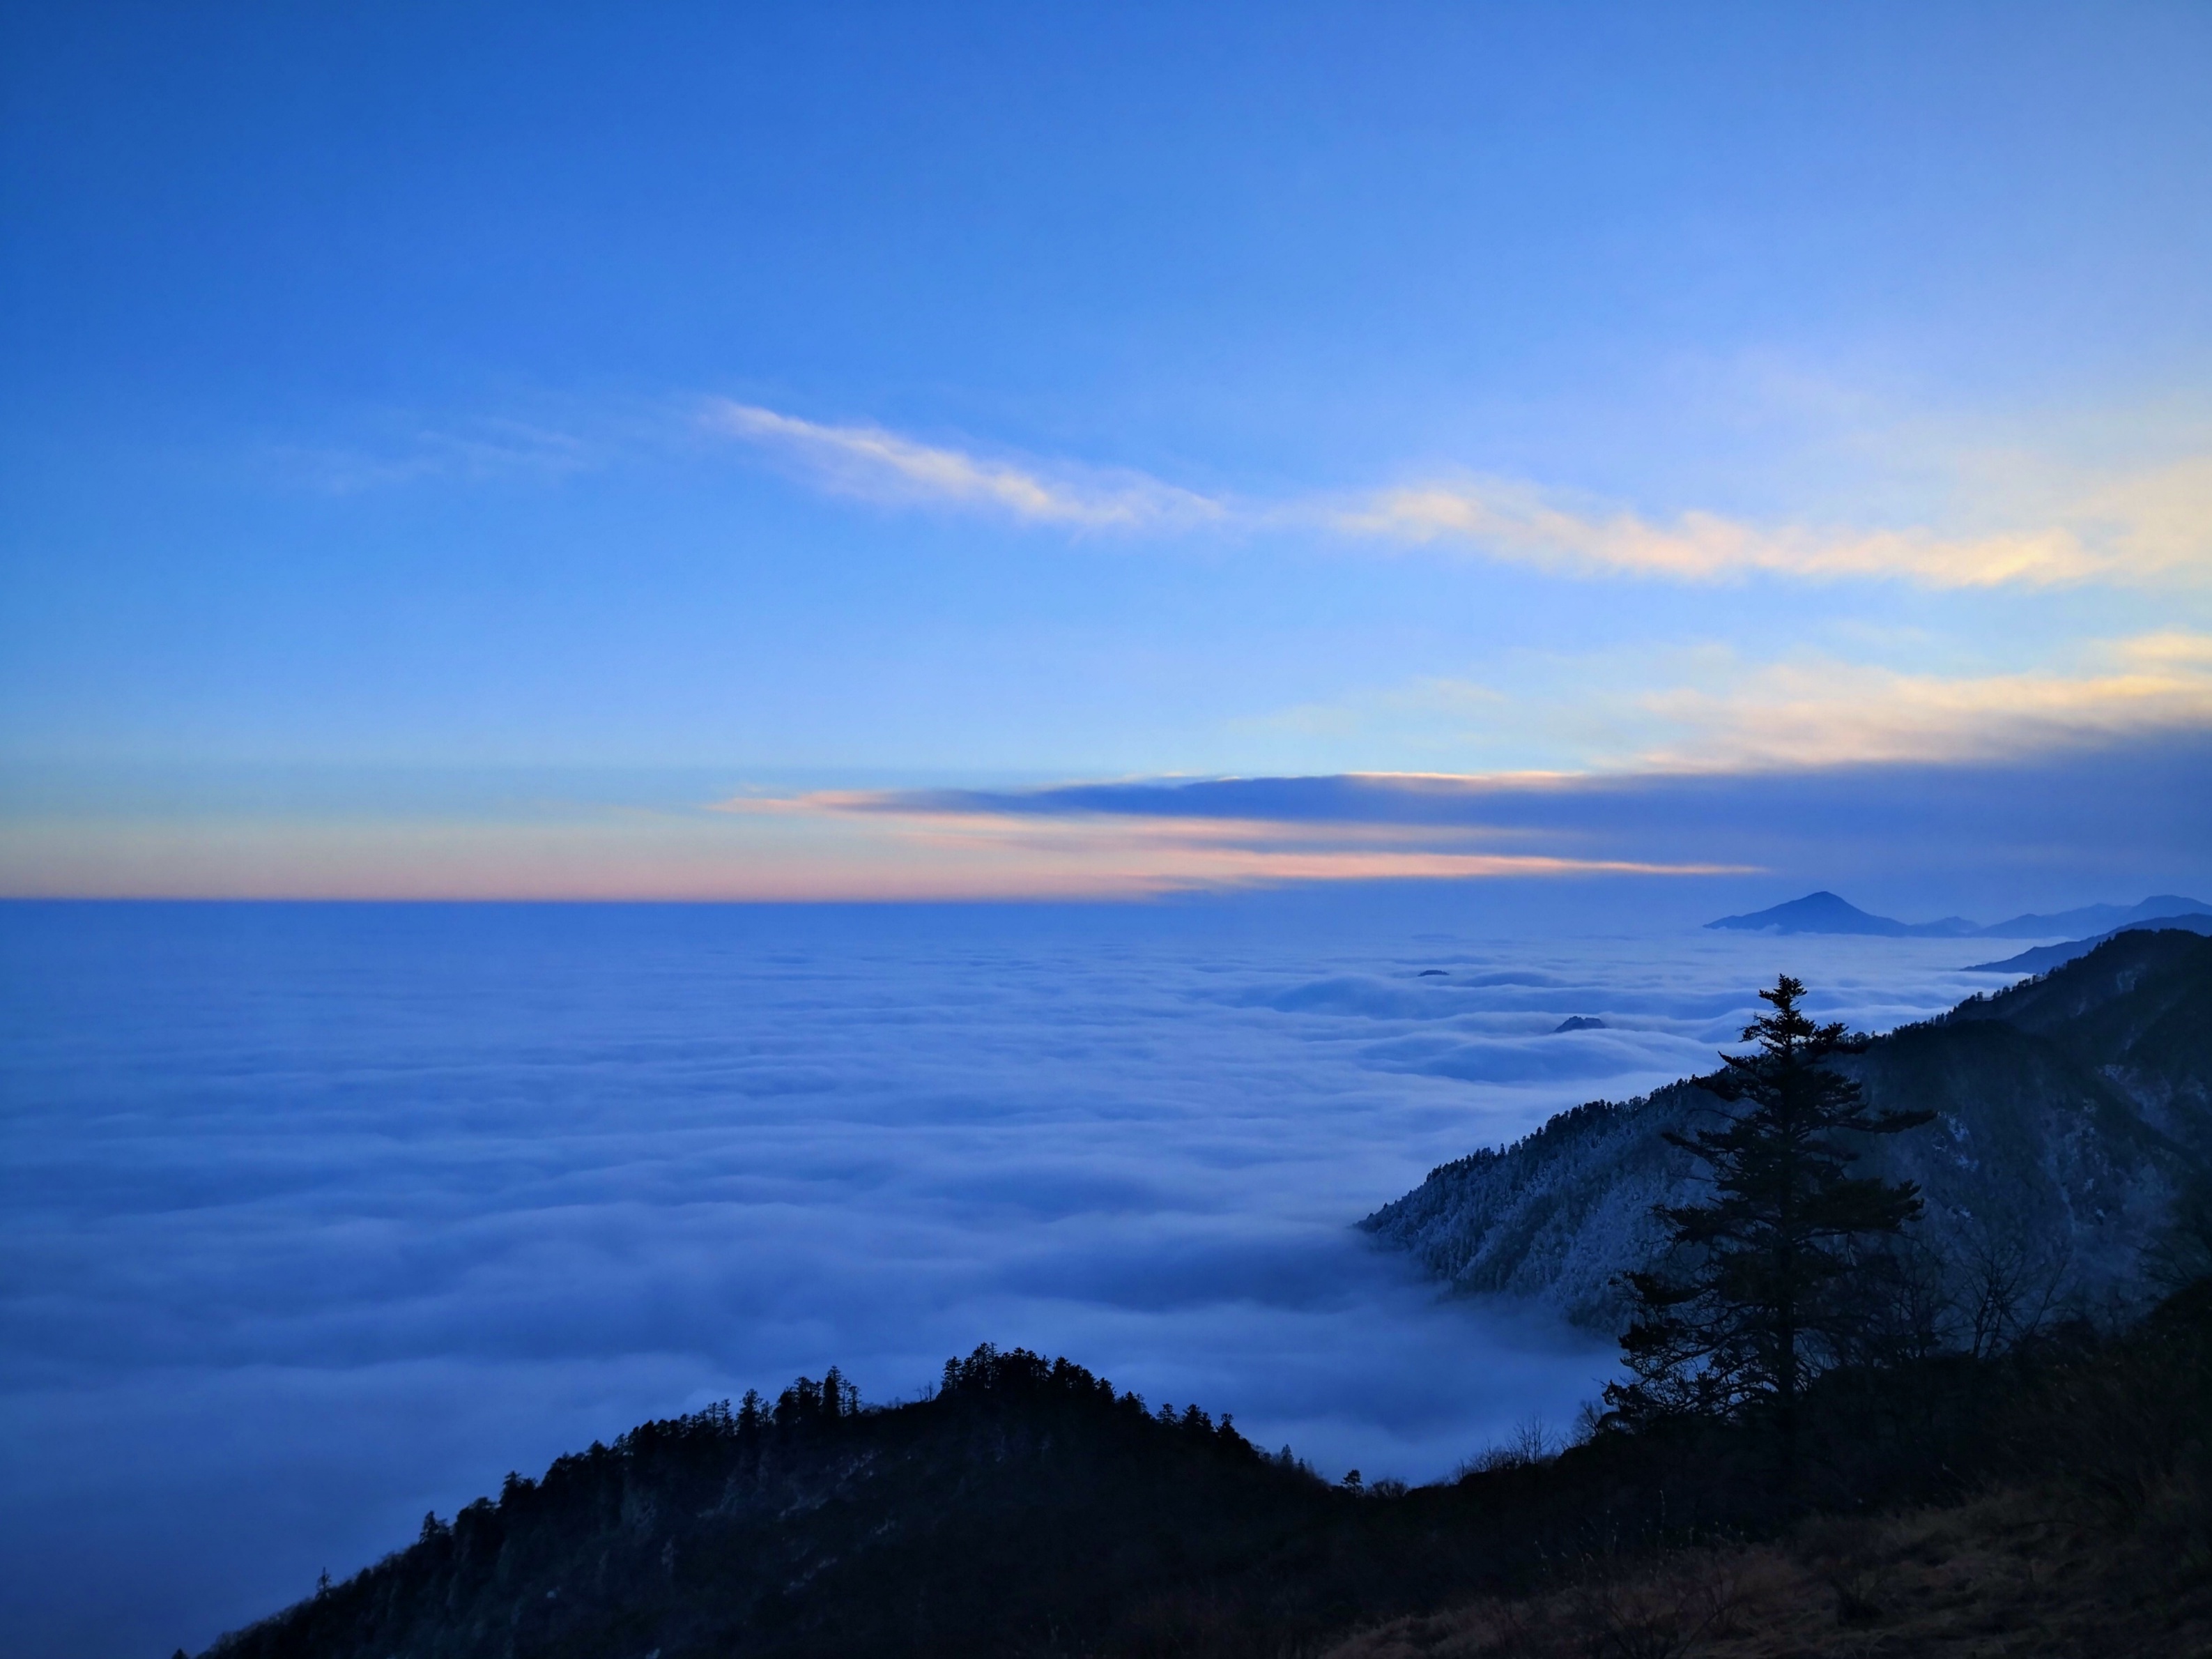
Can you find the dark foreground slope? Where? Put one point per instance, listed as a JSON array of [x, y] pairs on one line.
[[1025, 1510], [1023, 1507], [2071, 1109], [2086, 1534], [1024, 1500]]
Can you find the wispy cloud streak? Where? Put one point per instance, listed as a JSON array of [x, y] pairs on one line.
[[877, 465], [1709, 708], [2154, 527], [1077, 840], [1824, 712], [479, 452], [1516, 522]]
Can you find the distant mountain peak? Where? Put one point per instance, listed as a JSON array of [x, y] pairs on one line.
[[1829, 913]]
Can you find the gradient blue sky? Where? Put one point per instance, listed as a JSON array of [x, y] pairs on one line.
[[564, 449]]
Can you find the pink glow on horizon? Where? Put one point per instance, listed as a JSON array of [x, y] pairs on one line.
[[790, 849]]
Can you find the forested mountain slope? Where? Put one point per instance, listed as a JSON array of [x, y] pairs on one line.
[[1024, 1498], [2070, 1110], [1025, 1510]]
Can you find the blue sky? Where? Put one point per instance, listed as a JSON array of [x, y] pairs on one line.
[[598, 450]]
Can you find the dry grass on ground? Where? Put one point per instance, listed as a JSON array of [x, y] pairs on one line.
[[2016, 1573]]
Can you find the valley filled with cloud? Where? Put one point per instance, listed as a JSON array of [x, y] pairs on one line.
[[326, 1216]]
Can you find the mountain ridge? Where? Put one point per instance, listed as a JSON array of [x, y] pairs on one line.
[[1824, 912], [2102, 920], [2042, 958], [2071, 1109], [1026, 1508]]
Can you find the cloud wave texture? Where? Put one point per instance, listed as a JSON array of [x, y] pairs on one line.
[[321, 1217]]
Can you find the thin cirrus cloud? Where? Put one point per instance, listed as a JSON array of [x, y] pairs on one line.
[[1824, 712], [873, 465], [1709, 710], [2149, 527], [478, 451], [2144, 528], [1517, 523]]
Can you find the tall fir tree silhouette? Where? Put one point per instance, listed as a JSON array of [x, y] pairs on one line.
[[1750, 1302]]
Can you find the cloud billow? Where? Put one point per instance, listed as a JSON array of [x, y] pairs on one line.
[[325, 1216]]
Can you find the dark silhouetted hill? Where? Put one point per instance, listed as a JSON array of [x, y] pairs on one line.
[[2083, 1531], [1025, 1509]]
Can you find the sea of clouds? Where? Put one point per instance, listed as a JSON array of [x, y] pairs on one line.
[[319, 1217]]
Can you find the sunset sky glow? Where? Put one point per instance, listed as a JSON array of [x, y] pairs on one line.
[[462, 450]]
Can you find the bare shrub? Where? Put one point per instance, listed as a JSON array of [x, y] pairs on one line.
[[1531, 1444]]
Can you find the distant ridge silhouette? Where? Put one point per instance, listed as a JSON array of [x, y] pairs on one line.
[[2102, 920], [1825, 913], [2042, 958]]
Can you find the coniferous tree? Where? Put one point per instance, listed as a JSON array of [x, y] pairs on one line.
[[1753, 1302]]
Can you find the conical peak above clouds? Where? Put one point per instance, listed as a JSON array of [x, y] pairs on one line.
[[1825, 913]]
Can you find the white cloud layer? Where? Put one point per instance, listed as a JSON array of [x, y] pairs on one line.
[[322, 1217]]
